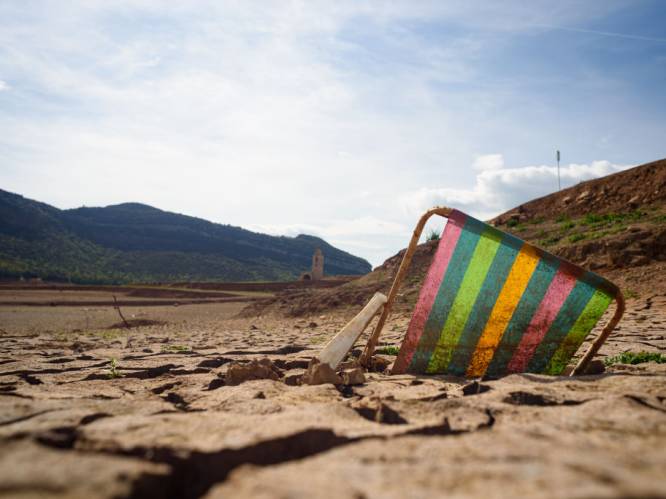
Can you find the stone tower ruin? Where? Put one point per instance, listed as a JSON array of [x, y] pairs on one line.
[[317, 265]]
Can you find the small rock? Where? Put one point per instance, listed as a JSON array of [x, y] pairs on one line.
[[261, 369], [293, 379], [474, 388], [253, 327], [378, 364], [354, 376], [216, 383], [297, 364], [633, 202], [349, 364], [312, 325], [31, 380], [319, 374], [595, 367], [322, 317], [378, 412]]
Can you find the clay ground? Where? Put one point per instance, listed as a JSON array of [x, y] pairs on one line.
[[88, 411]]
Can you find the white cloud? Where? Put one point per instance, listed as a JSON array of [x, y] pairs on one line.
[[488, 162], [497, 189], [4, 86]]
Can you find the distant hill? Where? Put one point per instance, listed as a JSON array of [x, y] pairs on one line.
[[133, 242]]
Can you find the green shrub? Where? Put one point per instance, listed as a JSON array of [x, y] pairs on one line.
[[592, 218], [433, 235], [550, 241], [577, 237], [635, 358], [113, 369], [389, 350]]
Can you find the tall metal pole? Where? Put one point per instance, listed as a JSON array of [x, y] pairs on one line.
[[559, 187]]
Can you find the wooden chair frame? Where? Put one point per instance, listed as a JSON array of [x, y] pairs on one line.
[[444, 211]]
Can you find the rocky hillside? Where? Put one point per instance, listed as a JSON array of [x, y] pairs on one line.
[[618, 221], [139, 243], [614, 225]]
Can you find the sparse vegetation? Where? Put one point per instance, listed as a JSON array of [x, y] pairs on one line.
[[612, 218], [388, 350], [113, 369], [107, 334], [577, 237], [635, 358], [433, 235], [550, 241], [176, 348]]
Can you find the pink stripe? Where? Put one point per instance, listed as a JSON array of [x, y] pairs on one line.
[[429, 290], [558, 291]]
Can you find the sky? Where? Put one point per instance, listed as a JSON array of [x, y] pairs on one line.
[[344, 119]]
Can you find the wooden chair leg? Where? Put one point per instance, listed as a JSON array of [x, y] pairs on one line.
[[402, 271]]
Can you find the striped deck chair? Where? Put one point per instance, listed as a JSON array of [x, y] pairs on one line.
[[492, 304]]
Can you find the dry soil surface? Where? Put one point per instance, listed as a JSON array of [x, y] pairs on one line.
[[87, 411]]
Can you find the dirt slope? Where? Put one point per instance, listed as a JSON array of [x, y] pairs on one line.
[[614, 225], [641, 186]]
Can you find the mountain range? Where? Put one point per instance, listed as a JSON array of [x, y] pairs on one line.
[[133, 242]]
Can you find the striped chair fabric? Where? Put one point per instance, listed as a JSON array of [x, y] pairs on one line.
[[494, 304]]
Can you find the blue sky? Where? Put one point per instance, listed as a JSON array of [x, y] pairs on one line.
[[340, 119]]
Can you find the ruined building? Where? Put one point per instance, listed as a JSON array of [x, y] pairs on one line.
[[317, 272]]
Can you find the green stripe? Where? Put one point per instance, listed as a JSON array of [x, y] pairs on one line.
[[464, 300], [592, 313]]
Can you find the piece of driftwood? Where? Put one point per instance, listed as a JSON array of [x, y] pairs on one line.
[[117, 307], [336, 349]]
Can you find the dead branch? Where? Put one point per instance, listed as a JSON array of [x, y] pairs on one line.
[[117, 307]]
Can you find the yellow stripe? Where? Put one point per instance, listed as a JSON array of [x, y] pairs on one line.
[[513, 289]]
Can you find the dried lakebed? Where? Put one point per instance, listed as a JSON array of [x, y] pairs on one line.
[[160, 421]]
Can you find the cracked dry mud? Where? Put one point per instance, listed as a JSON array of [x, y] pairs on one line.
[[163, 423]]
